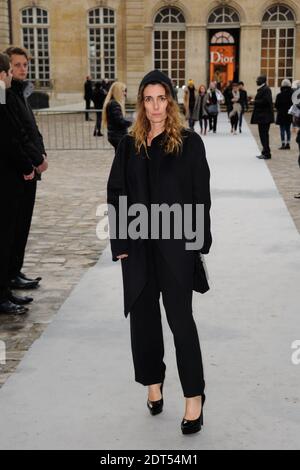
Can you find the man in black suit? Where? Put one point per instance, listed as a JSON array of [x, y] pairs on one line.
[[263, 115], [35, 151], [88, 96], [243, 102], [16, 169]]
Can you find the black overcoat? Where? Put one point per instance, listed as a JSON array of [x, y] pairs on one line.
[[283, 104], [181, 179], [263, 107]]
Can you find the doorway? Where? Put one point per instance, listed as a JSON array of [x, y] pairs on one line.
[[223, 54]]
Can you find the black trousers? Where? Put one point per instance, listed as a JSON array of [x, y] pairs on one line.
[[146, 328], [23, 225], [234, 121], [10, 203], [87, 106], [98, 123], [264, 138], [213, 120]]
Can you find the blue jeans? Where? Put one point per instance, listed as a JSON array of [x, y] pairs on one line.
[[285, 129]]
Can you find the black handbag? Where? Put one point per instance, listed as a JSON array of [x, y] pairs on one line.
[[200, 283]]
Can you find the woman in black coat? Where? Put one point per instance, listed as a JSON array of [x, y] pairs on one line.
[[161, 162], [283, 103], [114, 112]]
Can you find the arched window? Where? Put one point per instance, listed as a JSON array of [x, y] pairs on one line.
[[278, 44], [102, 43], [224, 15], [169, 44], [35, 38], [222, 37]]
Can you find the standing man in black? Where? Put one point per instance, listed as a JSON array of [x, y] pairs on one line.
[[36, 153], [98, 98], [243, 102], [16, 170], [88, 95], [263, 115]]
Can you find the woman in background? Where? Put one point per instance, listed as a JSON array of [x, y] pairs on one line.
[[114, 112], [200, 110]]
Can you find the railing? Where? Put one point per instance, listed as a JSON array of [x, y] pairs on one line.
[[68, 130]]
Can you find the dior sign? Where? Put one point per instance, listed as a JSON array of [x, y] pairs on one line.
[[219, 58]]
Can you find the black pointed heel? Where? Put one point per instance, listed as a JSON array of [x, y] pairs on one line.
[[194, 425], [156, 407]]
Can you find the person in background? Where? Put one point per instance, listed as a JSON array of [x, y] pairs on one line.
[[214, 98], [189, 102], [113, 116], [227, 93], [175, 88], [263, 115], [15, 166], [295, 113], [88, 95], [21, 109], [98, 98], [295, 86], [236, 107], [244, 104], [200, 110], [283, 104]]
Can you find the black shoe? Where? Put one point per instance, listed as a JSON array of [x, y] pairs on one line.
[[282, 147], [263, 157], [100, 134], [19, 300], [23, 276], [240, 130], [287, 147], [8, 307], [20, 283], [297, 196], [156, 406], [194, 425]]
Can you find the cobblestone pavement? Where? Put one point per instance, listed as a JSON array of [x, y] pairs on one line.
[[63, 242], [284, 168]]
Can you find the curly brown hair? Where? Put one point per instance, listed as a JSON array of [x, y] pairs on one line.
[[174, 124]]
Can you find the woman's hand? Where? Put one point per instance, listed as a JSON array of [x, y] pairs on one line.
[[122, 256], [29, 177]]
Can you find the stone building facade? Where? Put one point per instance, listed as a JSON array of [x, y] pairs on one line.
[[122, 39], [4, 24]]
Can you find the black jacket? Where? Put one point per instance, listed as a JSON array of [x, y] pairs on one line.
[[263, 107], [182, 179], [20, 108], [244, 100], [98, 98], [283, 103], [117, 125], [14, 162], [88, 90]]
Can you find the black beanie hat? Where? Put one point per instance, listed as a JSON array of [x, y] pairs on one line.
[[156, 76]]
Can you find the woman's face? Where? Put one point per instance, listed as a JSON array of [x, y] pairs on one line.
[[202, 89], [155, 102]]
